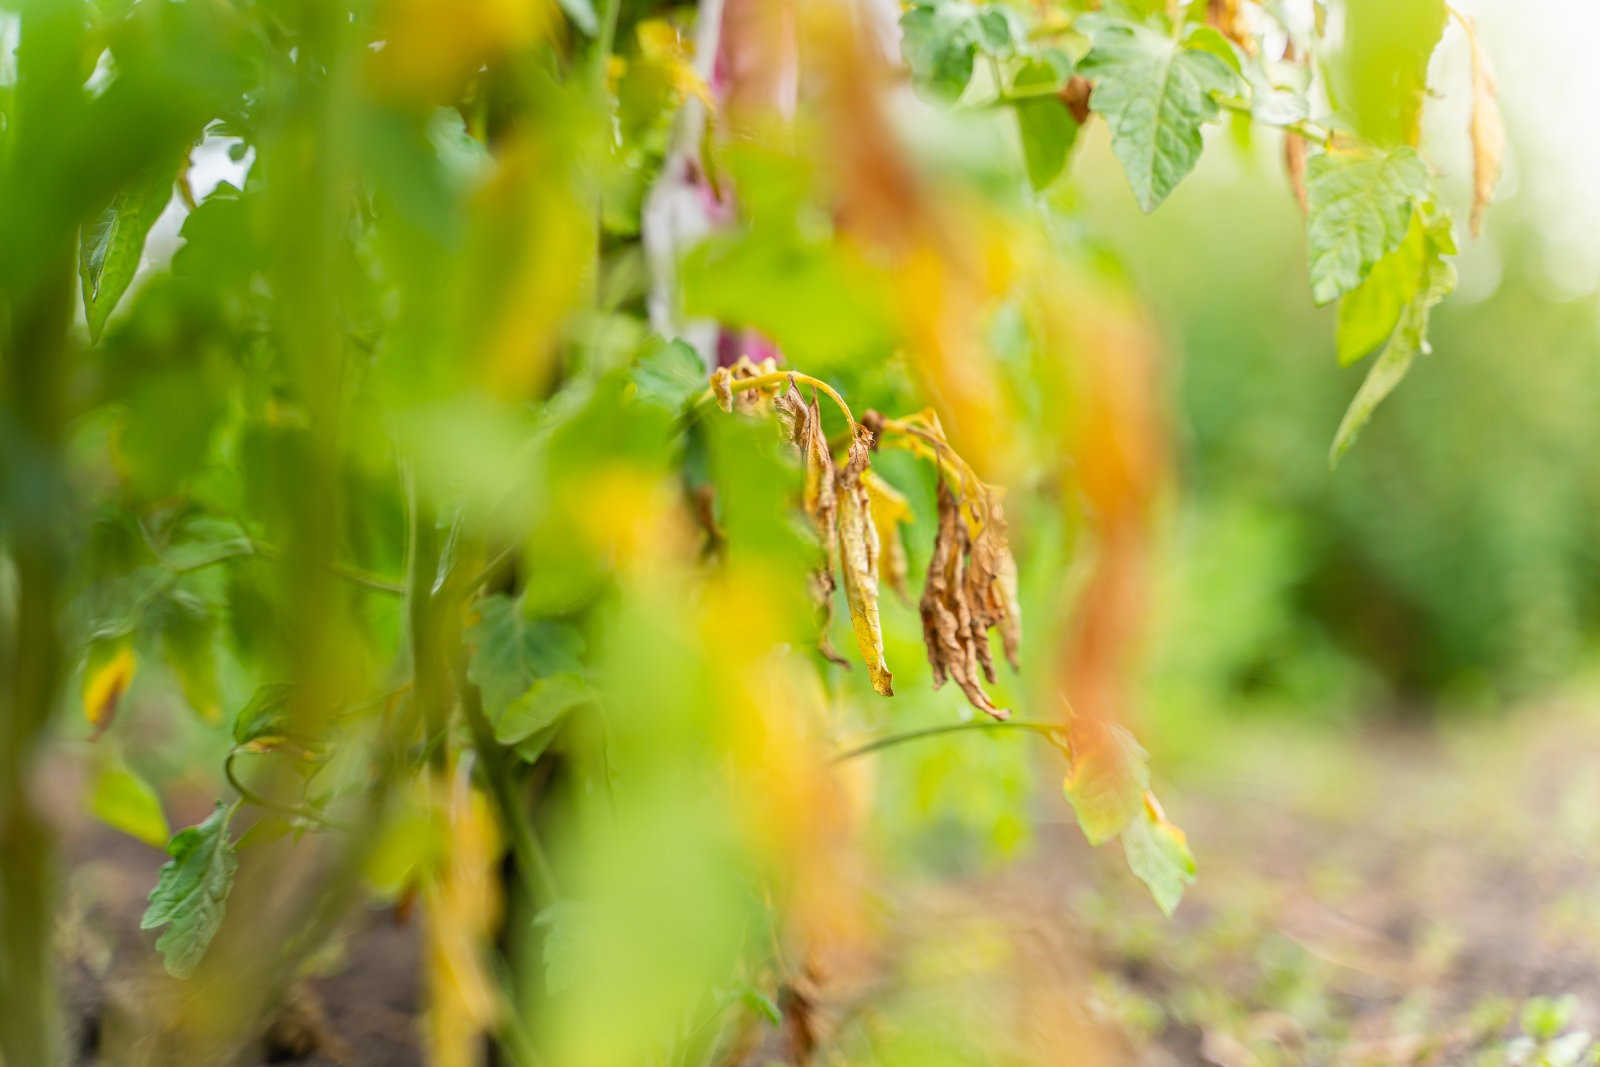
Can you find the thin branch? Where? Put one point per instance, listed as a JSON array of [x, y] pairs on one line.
[[1053, 731], [250, 796]]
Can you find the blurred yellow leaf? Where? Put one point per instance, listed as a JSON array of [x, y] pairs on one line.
[[430, 47], [662, 44], [462, 896], [105, 680]]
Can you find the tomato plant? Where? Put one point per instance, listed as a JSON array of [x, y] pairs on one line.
[[475, 416]]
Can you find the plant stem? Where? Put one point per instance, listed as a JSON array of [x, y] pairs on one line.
[[288, 810], [532, 862], [1053, 731], [360, 577], [1300, 127], [779, 377]]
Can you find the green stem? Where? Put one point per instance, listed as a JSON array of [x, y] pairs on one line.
[[287, 810], [779, 377], [532, 862], [1053, 731], [1300, 127], [356, 575]]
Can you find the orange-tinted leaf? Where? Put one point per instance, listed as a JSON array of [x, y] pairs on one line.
[[1109, 776]]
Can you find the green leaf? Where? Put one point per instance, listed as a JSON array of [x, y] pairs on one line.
[[1048, 132], [109, 247], [191, 892], [546, 702], [669, 375], [510, 652], [1110, 772], [1358, 208], [124, 801], [1203, 38], [1378, 77], [1437, 279], [939, 42], [1159, 855], [1155, 96], [1369, 312], [1044, 73], [265, 716], [832, 311]]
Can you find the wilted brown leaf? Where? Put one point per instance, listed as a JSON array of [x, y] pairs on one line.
[[991, 584], [858, 552], [802, 425], [947, 619], [1487, 132]]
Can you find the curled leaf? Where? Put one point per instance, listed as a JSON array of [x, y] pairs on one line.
[[819, 498], [890, 510], [722, 388], [1487, 132], [858, 556], [947, 620], [991, 584]]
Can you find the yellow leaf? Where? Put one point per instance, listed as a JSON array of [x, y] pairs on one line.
[[858, 545], [462, 896], [430, 47], [106, 679], [890, 511]]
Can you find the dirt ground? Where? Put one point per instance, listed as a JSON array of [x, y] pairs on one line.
[[1386, 896]]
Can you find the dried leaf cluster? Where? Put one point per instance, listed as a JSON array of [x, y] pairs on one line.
[[971, 586]]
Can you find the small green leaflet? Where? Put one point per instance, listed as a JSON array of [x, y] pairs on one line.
[[1048, 131], [1358, 207], [547, 700], [1436, 279], [191, 893], [266, 717], [1155, 95], [940, 42], [669, 374], [1159, 855], [110, 246], [1110, 772], [511, 656], [1368, 313]]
